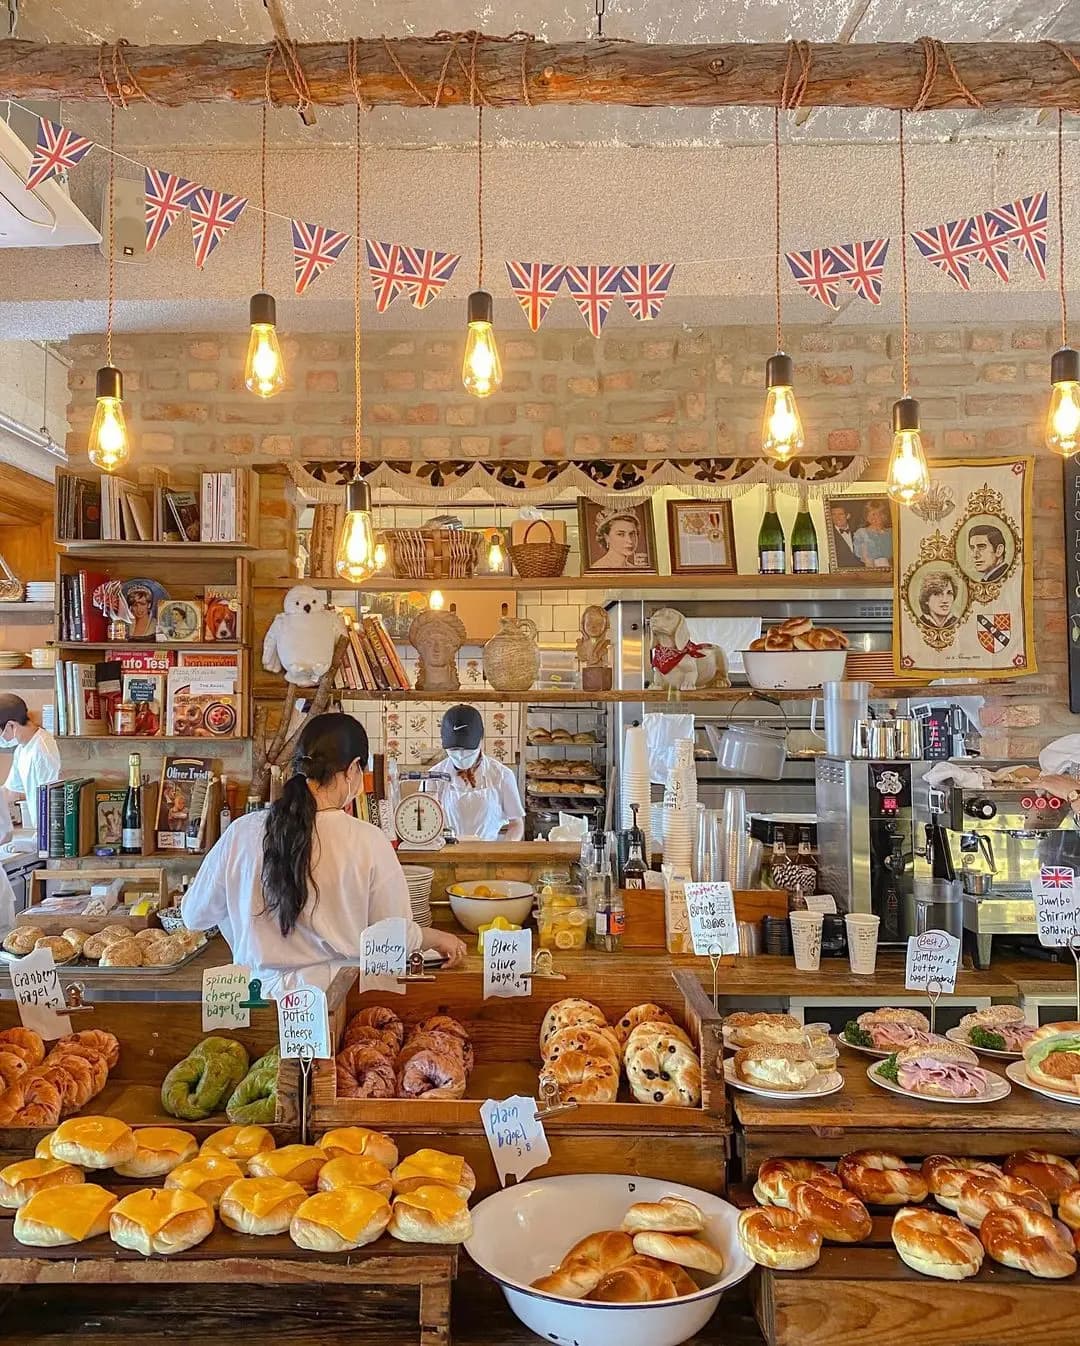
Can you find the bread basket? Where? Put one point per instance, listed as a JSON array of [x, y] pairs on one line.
[[539, 560]]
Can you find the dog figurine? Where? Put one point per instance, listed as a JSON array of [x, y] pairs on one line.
[[679, 663]]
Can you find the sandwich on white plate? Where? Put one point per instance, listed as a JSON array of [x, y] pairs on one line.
[[749, 1029], [889, 1030], [999, 1028], [1053, 1061], [783, 1067], [938, 1070]]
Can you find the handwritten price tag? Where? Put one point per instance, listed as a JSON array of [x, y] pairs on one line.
[[384, 954], [223, 988], [1057, 907], [711, 910], [304, 1024], [933, 956], [507, 955], [823, 902], [38, 993], [516, 1136]]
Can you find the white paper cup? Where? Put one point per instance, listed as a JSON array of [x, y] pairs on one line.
[[862, 939], [806, 939]]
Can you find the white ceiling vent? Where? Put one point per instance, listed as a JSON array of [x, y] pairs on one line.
[[43, 218]]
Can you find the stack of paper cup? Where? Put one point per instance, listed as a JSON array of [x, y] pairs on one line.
[[680, 821], [862, 938], [806, 939], [635, 784]]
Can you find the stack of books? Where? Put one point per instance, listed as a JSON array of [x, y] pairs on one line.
[[224, 504], [371, 662]]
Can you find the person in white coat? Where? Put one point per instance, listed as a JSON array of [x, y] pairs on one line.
[[35, 760], [293, 887], [482, 802]]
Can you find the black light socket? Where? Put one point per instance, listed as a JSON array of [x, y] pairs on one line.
[[357, 497], [905, 415], [1065, 366], [262, 309], [110, 383], [481, 309], [779, 371]]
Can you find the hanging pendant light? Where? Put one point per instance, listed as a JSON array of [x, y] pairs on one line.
[[1063, 414], [436, 602], [908, 475], [496, 553], [781, 425], [381, 556], [264, 368], [481, 369], [108, 445]]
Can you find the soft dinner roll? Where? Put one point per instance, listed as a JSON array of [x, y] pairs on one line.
[[359, 1140], [881, 1179], [433, 1168], [62, 1215], [335, 1222], [93, 1142], [1029, 1241], [355, 1170], [297, 1163], [984, 1192], [19, 1182], [207, 1176], [837, 1213], [1052, 1174], [774, 1237], [238, 1143], [430, 1215], [936, 1245], [159, 1149], [586, 1264], [260, 1205], [776, 1178], [671, 1214], [160, 1220], [682, 1249]]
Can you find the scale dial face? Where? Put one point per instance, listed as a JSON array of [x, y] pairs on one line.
[[419, 820]]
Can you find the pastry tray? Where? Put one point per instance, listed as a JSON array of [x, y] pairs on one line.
[[563, 794], [81, 968]]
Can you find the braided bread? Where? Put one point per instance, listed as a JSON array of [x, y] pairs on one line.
[[778, 1238], [936, 1245], [776, 1178], [880, 1178], [838, 1214], [1030, 1241]]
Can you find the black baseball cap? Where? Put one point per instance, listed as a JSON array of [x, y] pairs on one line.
[[462, 727]]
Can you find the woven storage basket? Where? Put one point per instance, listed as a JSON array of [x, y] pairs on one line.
[[11, 589], [434, 553], [539, 560]]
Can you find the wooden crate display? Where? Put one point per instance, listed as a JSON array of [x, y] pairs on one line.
[[141, 879]]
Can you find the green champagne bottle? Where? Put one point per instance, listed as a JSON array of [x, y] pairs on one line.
[[805, 557], [770, 540]]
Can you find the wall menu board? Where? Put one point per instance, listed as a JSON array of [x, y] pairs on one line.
[[1072, 575]]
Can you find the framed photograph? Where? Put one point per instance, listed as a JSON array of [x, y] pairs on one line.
[[178, 620], [615, 536], [701, 537], [860, 529]]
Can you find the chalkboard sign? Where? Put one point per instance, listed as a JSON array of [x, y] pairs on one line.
[[1072, 576]]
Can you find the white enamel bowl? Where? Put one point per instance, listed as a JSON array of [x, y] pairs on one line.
[[778, 670], [510, 899], [522, 1232]]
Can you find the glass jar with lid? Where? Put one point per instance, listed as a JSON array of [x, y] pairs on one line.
[[562, 918]]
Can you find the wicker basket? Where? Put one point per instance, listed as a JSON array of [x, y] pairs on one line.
[[434, 553], [11, 589], [539, 560]]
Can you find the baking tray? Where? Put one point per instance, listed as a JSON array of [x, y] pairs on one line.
[[78, 967]]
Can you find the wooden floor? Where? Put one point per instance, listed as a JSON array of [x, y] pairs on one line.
[[239, 1315]]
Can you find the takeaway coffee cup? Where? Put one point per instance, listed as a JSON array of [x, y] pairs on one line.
[[862, 938], [806, 939]]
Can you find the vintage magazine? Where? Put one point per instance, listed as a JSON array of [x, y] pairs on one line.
[[185, 788]]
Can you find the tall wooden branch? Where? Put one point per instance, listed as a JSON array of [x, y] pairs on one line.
[[279, 750], [407, 71]]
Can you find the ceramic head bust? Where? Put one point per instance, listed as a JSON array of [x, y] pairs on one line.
[[437, 637]]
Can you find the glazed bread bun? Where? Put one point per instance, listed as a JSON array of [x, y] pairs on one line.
[[782, 1067], [433, 1168], [19, 1182], [586, 1264], [297, 1163], [984, 1192], [1029, 1241], [160, 1220], [238, 1143], [336, 1222], [776, 1178], [355, 1170], [1053, 1062], [778, 1238], [946, 1176], [430, 1215], [682, 1249], [1052, 1174], [881, 1179], [1069, 1208], [671, 1215], [158, 1150], [93, 1142], [260, 1205], [635, 1282], [61, 1215], [208, 1176], [836, 1213], [936, 1245], [359, 1140]]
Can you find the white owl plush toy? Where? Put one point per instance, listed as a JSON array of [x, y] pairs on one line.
[[301, 638]]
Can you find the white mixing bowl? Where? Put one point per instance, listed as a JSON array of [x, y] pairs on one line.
[[509, 898], [522, 1232]]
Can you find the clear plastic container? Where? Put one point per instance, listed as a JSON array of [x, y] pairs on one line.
[[562, 917]]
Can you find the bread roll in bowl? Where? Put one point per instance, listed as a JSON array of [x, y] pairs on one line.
[[984, 1192], [1029, 1241], [586, 1264], [337, 1222], [430, 1215], [93, 1142], [297, 1163], [158, 1150], [355, 1170], [22, 1180], [776, 1178], [685, 1250], [238, 1143], [58, 1216], [671, 1215], [160, 1220], [946, 1176], [359, 1140], [774, 1237], [634, 1283], [260, 1205], [208, 1176], [1052, 1174], [433, 1168], [936, 1245], [880, 1178], [838, 1214]]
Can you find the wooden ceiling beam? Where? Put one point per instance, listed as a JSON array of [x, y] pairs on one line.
[[407, 72]]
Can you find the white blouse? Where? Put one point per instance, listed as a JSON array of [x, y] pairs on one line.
[[356, 880]]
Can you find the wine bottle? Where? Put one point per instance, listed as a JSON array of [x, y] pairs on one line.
[[804, 542], [770, 540], [131, 824]]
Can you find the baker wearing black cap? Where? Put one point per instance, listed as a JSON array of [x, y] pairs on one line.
[[483, 802]]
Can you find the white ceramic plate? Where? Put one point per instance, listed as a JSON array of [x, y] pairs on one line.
[[998, 1090], [866, 1051], [825, 1082], [1017, 1072], [959, 1035]]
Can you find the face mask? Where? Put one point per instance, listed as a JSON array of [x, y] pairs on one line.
[[463, 758]]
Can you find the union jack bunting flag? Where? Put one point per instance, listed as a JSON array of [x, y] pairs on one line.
[[213, 214], [948, 247], [645, 287], [814, 271], [594, 289], [535, 285], [988, 246], [1053, 876], [167, 196], [430, 271], [390, 269], [314, 247], [862, 266], [57, 148], [1024, 223]]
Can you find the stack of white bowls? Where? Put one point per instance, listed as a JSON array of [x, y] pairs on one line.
[[635, 784], [419, 878]]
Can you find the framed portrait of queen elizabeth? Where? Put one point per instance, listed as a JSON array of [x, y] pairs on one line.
[[616, 536]]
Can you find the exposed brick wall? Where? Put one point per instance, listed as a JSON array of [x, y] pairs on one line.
[[651, 391]]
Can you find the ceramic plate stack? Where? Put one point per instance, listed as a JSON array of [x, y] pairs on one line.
[[635, 783], [11, 659], [419, 879]]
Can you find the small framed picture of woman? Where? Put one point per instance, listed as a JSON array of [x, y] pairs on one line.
[[701, 537], [860, 532], [616, 536]]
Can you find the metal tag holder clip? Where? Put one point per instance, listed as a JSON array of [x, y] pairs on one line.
[[550, 1102], [715, 954], [306, 1059], [544, 968], [254, 998], [75, 999], [934, 989]]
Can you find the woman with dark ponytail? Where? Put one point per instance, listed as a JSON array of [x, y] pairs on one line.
[[293, 887]]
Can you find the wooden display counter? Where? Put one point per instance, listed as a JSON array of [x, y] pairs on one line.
[[138, 984], [521, 861]]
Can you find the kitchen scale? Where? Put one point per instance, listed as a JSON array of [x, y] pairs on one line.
[[420, 819]]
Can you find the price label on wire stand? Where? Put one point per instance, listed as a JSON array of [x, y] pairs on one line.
[[39, 996], [304, 1024], [711, 911], [932, 959], [507, 963], [1057, 905], [516, 1136]]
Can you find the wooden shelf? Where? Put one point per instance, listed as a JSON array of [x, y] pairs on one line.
[[151, 645], [196, 743], [867, 583], [20, 675], [27, 610], [94, 547], [574, 696]]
